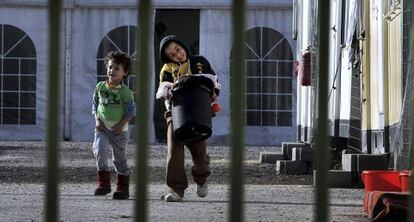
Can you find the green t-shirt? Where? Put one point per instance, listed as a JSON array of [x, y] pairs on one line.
[[112, 103]]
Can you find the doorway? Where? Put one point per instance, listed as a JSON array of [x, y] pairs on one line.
[[186, 25]]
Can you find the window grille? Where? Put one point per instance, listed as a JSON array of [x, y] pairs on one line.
[[269, 71], [17, 77]]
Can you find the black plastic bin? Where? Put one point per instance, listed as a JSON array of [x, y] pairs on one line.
[[191, 108]]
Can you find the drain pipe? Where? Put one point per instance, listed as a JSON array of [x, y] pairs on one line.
[[68, 73]]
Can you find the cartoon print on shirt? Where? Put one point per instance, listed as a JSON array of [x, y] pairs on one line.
[[109, 98]]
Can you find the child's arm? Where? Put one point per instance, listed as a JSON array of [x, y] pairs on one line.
[[99, 124]]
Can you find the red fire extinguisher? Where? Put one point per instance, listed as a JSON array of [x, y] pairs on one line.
[[306, 68]]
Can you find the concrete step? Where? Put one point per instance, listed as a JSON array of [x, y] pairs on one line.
[[271, 157], [289, 167], [302, 154], [288, 146], [360, 162], [342, 179]]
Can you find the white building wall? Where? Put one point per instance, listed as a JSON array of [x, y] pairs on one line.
[[215, 44], [33, 21], [376, 67], [92, 19]]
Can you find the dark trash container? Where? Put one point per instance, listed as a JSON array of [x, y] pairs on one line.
[[191, 108]]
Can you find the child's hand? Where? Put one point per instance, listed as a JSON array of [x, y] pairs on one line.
[[99, 125], [117, 129], [164, 90]]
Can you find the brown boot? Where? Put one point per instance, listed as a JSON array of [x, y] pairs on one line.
[[103, 184], [122, 187]]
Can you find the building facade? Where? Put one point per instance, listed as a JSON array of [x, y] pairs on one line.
[[369, 76], [92, 28]]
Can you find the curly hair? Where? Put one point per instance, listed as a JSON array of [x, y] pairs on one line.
[[120, 58]]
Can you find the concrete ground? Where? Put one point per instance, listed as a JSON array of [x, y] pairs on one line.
[[25, 202], [268, 196]]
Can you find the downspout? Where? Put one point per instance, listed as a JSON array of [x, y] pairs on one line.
[[366, 103], [337, 72], [386, 89], [67, 79], [297, 36], [307, 93]]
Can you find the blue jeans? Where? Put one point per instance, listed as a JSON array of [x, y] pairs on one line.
[[118, 144]]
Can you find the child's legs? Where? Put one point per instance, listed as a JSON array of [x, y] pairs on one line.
[[176, 176], [119, 144], [200, 169], [99, 150]]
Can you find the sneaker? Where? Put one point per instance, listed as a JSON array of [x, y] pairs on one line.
[[202, 190], [173, 197]]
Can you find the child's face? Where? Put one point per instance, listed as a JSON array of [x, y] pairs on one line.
[[115, 72], [176, 53]]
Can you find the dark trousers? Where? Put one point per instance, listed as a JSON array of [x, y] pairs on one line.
[[175, 170]]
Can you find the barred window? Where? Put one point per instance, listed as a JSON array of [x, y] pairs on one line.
[[17, 77]]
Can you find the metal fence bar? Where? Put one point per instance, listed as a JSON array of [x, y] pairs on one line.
[[410, 75], [237, 112], [322, 146], [142, 94], [52, 205]]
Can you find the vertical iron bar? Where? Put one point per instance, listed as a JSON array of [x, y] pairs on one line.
[[410, 75], [322, 146], [142, 114], [52, 206], [237, 112]]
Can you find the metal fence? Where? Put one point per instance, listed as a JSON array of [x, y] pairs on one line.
[[52, 202], [322, 153]]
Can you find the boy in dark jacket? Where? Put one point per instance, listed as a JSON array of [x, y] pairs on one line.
[[178, 62]]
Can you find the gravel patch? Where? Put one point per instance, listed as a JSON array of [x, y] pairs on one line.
[[24, 162]]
